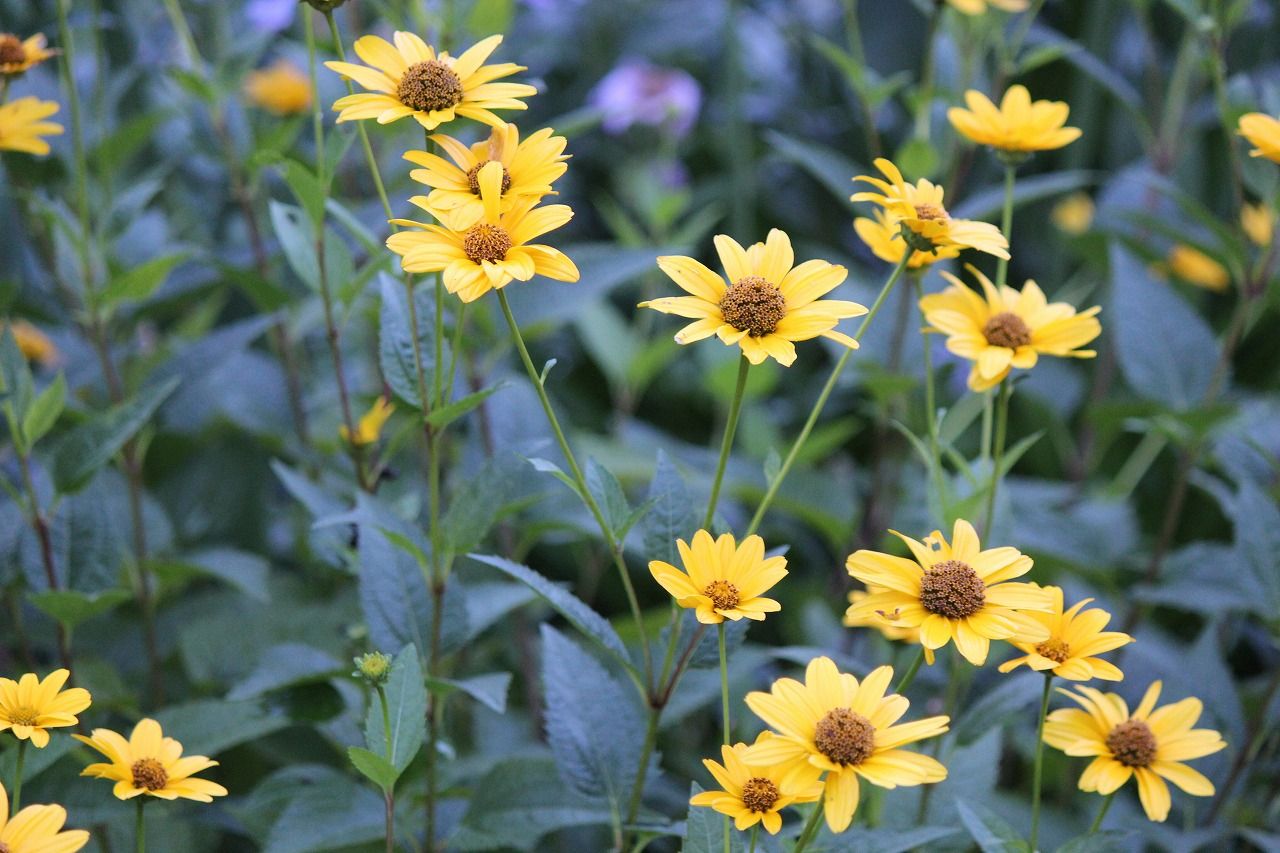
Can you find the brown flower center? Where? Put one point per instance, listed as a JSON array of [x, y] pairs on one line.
[[23, 716], [932, 211], [844, 736], [149, 774], [1007, 330], [723, 595], [1132, 743], [11, 50], [473, 177], [753, 305], [759, 794], [952, 589], [430, 86], [1054, 650], [485, 242]]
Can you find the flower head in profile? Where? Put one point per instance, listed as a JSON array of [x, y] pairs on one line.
[[371, 423], [150, 763], [411, 79], [863, 619], [1150, 744], [1259, 224], [17, 55], [1005, 328], [845, 728], [637, 92], [23, 126], [29, 707], [1075, 639], [34, 344], [1018, 126], [883, 236], [764, 303], [282, 88], [1198, 269], [754, 793], [978, 7], [921, 217], [495, 250], [37, 829], [529, 168], [1074, 214], [952, 591], [1263, 132], [722, 579]]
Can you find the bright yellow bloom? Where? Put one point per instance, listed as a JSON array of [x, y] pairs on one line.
[[1149, 744], [1074, 214], [17, 55], [410, 79], [883, 236], [722, 580], [150, 763], [1263, 132], [1075, 638], [37, 829], [890, 630], [1195, 267], [918, 209], [29, 706], [1007, 328], [977, 7], [767, 304], [33, 343], [282, 88], [494, 251], [23, 125], [1019, 125], [371, 423], [529, 168], [953, 591], [757, 793], [846, 729], [1259, 223]]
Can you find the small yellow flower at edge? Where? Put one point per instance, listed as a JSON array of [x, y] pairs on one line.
[[722, 580], [977, 7], [282, 88], [34, 344], [37, 829], [883, 237], [1075, 638], [1074, 214], [150, 763], [1263, 132], [1019, 124], [17, 55], [1259, 224], [23, 126], [1196, 268], [369, 429], [29, 706]]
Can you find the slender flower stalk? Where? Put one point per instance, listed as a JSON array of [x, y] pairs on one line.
[[936, 471], [810, 828], [140, 827], [1006, 219], [726, 445], [17, 776], [724, 708], [389, 796], [910, 675], [1037, 774], [997, 458], [1102, 812]]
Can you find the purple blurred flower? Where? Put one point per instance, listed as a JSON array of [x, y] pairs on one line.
[[270, 16], [636, 92]]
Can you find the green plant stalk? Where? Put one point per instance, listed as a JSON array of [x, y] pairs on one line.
[[41, 526], [17, 778], [1037, 774], [853, 31], [1002, 429], [924, 117], [724, 682], [931, 413], [910, 675], [388, 796], [1102, 812], [1006, 221], [810, 826], [821, 402], [1137, 465], [726, 445], [738, 147], [755, 832], [77, 132], [140, 830]]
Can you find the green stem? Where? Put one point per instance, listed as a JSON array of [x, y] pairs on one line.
[[936, 472], [810, 828], [726, 445], [1038, 773], [924, 116], [1006, 221], [17, 777], [1002, 429], [140, 833], [389, 794], [738, 147], [910, 675], [755, 832], [66, 67], [776, 483], [1102, 812], [724, 681], [360, 128]]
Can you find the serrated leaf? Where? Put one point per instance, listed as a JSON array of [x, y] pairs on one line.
[[71, 607], [489, 690], [704, 829], [671, 515], [138, 283], [447, 414], [406, 711], [396, 353], [989, 830], [374, 767], [81, 452], [44, 411]]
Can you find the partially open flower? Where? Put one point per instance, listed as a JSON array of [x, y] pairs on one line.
[[883, 236], [17, 55], [1259, 224], [1019, 125], [371, 423], [1196, 268], [1075, 640]]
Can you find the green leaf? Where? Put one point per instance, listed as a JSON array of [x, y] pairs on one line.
[[374, 767], [988, 203], [491, 16], [16, 391], [608, 493], [44, 411], [81, 452], [828, 167], [671, 516], [287, 665], [989, 830], [138, 283], [210, 726], [306, 188], [298, 240], [1107, 841], [396, 352], [487, 498], [917, 158], [450, 412], [546, 466], [333, 812], [71, 607], [406, 710], [704, 829], [489, 690]]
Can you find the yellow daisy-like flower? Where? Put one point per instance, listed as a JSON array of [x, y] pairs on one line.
[[1075, 638], [494, 251], [529, 168], [150, 763], [30, 707], [1150, 744], [722, 580], [1259, 224], [282, 88], [17, 55], [922, 218], [371, 423], [768, 303], [953, 591], [757, 793], [1196, 268], [1263, 132], [1019, 124], [846, 729], [411, 79], [1007, 328], [890, 630], [1074, 214], [883, 236], [37, 829], [34, 344], [23, 126], [978, 7]]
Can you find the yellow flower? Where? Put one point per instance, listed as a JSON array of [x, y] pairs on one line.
[[1074, 214], [846, 729], [890, 630], [1075, 638], [757, 793], [492, 252], [150, 763], [767, 304], [1149, 744], [37, 829], [529, 168], [22, 125], [33, 343], [29, 706], [883, 236], [953, 591], [1263, 132], [17, 55], [411, 79], [371, 423], [722, 580], [1019, 125], [1007, 328], [977, 7], [918, 210], [1259, 223], [282, 89], [1195, 267]]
